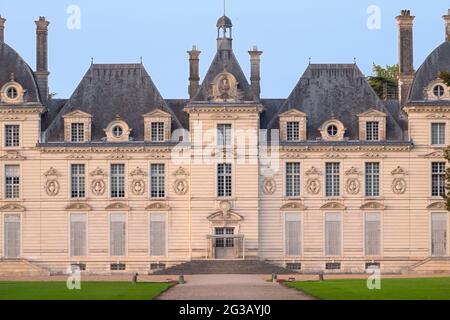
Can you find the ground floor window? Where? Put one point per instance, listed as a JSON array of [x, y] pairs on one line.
[[439, 228], [78, 235], [118, 227], [333, 234], [293, 226], [372, 231], [11, 231], [158, 235]]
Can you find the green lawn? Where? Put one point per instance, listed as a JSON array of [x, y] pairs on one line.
[[391, 289], [89, 291]]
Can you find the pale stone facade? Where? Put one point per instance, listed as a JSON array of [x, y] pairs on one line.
[[118, 179]]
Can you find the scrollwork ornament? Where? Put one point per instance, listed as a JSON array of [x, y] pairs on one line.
[[52, 187], [138, 187], [399, 186], [181, 187], [269, 186], [353, 186], [313, 186], [98, 187]]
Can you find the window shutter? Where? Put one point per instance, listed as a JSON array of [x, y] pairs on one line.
[[293, 234], [333, 234], [118, 234], [158, 235], [373, 234], [78, 235], [12, 236]]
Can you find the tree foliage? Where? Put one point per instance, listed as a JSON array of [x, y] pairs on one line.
[[384, 79], [445, 76]]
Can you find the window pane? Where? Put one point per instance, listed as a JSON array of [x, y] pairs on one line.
[[292, 179], [12, 181], [157, 181], [224, 180], [372, 131], [293, 234], [372, 179], [293, 131], [438, 179], [158, 235], [333, 234], [157, 129], [77, 132], [438, 133], [118, 181], [372, 234], [78, 235], [78, 181], [12, 136], [224, 134], [118, 234], [332, 179]]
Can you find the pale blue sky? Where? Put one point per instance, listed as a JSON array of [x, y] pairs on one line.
[[288, 31]]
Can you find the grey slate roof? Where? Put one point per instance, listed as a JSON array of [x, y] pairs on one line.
[[108, 90], [12, 62], [340, 91], [436, 62]]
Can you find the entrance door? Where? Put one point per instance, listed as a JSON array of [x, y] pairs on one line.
[[224, 246], [439, 234], [12, 235]]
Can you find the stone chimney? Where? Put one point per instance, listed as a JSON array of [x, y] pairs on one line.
[[42, 58], [2, 29], [406, 54], [194, 71], [255, 78], [447, 25]]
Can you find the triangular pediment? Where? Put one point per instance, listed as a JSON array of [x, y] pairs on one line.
[[372, 113], [229, 216], [77, 114], [157, 113], [293, 113]]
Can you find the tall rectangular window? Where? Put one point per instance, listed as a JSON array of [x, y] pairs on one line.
[[224, 135], [224, 182], [77, 181], [372, 131], [157, 180], [293, 179], [332, 179], [12, 181], [333, 234], [293, 239], [157, 131], [372, 179], [117, 234], [438, 179], [117, 181], [293, 131], [78, 235], [372, 234], [158, 235], [77, 132], [438, 133], [12, 136]]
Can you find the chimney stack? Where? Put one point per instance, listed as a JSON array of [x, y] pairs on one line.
[[42, 58], [447, 25], [255, 78], [406, 54], [2, 29], [194, 71]]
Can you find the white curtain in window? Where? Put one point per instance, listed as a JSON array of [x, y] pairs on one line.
[[12, 235], [118, 234], [333, 234], [158, 235], [293, 234], [373, 234], [439, 234], [78, 235]]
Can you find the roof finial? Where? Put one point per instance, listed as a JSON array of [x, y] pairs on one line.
[[309, 60], [12, 77], [142, 60], [92, 60], [224, 7]]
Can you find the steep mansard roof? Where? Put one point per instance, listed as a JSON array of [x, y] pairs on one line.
[[12, 63], [340, 91], [111, 90], [436, 62]]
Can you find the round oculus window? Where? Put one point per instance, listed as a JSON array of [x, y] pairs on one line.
[[12, 93], [439, 91], [117, 131], [332, 130]]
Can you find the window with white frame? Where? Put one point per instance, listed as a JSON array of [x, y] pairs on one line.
[[293, 131], [372, 234], [293, 179], [12, 181], [12, 136], [157, 131], [372, 179], [224, 180], [157, 180], [77, 181], [224, 135], [117, 181], [438, 179], [77, 132], [332, 179], [333, 234], [438, 133], [117, 235], [78, 235], [293, 239], [372, 131], [158, 235]]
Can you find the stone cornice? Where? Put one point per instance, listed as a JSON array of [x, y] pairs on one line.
[[113, 151], [21, 110], [234, 108], [427, 109], [379, 148]]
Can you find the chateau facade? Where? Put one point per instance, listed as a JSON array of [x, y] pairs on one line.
[[118, 179]]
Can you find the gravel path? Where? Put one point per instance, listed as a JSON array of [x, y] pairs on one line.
[[231, 287]]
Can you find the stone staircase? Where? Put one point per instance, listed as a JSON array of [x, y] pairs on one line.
[[199, 267], [431, 265], [20, 267]]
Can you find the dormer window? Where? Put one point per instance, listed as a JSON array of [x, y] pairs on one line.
[[12, 92], [438, 91], [77, 132], [332, 130], [372, 125], [77, 127], [372, 131], [118, 131], [157, 131], [293, 131], [157, 125]]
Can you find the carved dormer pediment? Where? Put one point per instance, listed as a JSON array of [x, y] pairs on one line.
[[157, 113], [77, 114], [293, 113], [372, 113]]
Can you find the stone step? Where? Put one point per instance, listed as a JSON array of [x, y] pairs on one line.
[[433, 265], [224, 267], [20, 267]]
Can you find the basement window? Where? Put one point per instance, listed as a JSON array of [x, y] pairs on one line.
[[333, 266], [78, 266], [118, 266], [372, 265], [157, 266], [294, 266]]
